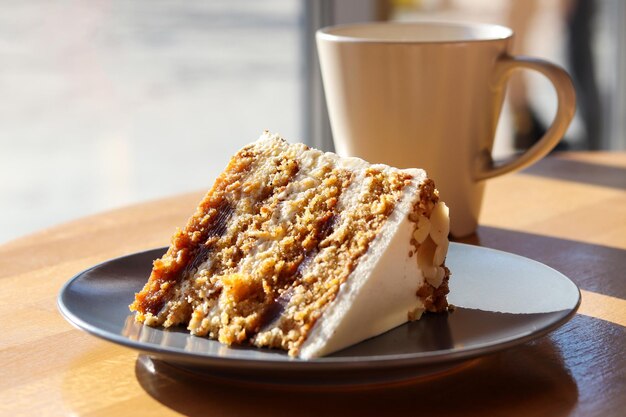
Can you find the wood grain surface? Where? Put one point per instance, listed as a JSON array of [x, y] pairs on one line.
[[569, 212]]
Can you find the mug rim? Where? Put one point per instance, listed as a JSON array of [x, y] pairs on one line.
[[328, 33]]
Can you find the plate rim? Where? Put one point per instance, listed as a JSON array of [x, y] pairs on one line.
[[338, 362]]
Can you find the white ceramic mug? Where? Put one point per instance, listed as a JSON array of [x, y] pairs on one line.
[[429, 95]]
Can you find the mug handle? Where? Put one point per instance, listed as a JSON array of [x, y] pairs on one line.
[[566, 106]]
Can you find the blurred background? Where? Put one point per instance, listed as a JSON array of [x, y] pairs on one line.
[[108, 103]]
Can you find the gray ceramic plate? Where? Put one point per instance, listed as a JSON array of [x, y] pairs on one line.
[[501, 300]]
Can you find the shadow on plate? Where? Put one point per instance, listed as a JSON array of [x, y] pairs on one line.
[[531, 379]]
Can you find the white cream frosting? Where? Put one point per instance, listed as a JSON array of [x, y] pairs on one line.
[[380, 293]]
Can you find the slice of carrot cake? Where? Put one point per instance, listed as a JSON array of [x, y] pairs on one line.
[[301, 250]]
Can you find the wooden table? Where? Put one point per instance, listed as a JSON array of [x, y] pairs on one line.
[[568, 212]]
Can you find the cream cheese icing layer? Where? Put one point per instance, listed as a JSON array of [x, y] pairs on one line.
[[380, 293]]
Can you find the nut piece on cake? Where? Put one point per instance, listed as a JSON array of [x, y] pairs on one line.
[[305, 251]]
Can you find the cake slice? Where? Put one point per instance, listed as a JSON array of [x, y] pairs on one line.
[[305, 251]]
